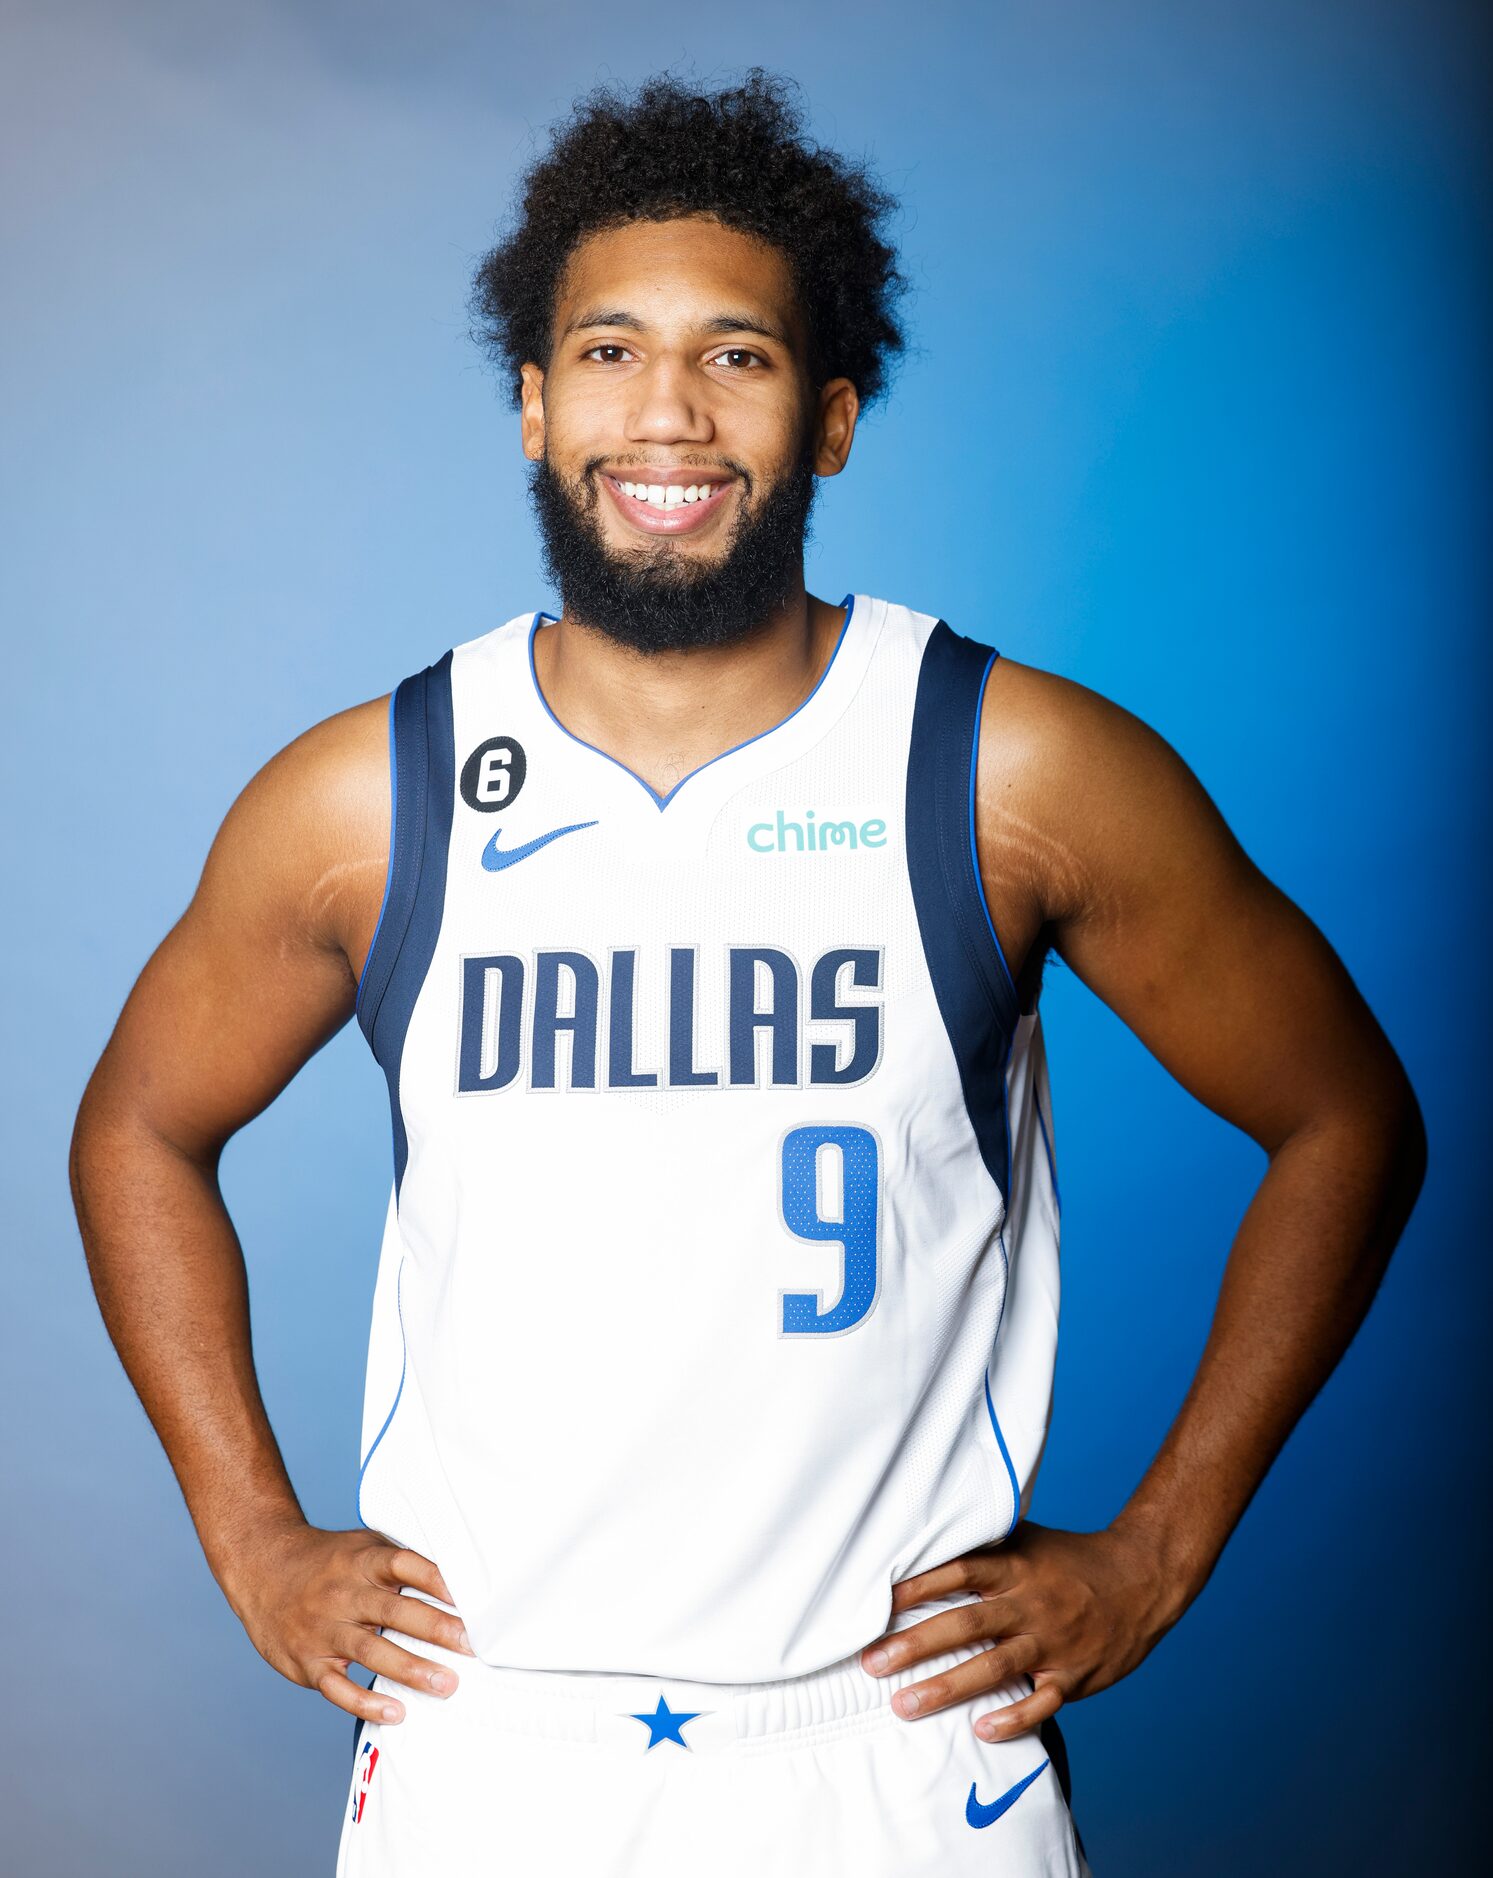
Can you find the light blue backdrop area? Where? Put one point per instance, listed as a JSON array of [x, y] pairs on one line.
[[1197, 415]]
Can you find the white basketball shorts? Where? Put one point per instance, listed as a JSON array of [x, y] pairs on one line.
[[528, 1773]]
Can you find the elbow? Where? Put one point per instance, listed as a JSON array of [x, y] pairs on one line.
[[1412, 1147], [1395, 1127], [1374, 1132]]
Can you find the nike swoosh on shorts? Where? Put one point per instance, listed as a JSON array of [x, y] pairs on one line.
[[987, 1814]]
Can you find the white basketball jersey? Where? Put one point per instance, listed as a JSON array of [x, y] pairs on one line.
[[719, 1288]]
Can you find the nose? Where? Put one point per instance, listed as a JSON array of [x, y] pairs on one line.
[[668, 406]]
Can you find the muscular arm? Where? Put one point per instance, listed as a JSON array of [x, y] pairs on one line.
[[1146, 894], [258, 974], [1095, 838]]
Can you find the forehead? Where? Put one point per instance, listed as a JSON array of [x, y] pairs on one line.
[[673, 272]]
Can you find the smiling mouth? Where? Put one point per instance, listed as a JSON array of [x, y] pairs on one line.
[[666, 508]]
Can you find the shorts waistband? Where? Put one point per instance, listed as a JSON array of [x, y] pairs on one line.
[[628, 1711]]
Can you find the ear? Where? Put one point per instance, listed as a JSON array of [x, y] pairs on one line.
[[839, 407], [531, 412]]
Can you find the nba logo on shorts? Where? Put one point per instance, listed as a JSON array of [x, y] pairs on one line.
[[368, 1760]]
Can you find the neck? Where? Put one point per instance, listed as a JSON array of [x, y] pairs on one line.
[[664, 714]]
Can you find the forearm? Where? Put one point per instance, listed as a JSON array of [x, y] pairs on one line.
[[169, 1276], [1304, 1267]]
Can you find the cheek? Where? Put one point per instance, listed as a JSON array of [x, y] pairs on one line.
[[582, 420]]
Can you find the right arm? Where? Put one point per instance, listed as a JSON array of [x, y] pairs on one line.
[[258, 974]]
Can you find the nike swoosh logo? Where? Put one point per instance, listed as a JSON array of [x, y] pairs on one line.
[[986, 1815], [495, 859]]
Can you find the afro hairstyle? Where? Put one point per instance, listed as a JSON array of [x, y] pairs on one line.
[[739, 155]]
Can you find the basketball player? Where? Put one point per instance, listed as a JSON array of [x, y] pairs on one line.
[[700, 945]]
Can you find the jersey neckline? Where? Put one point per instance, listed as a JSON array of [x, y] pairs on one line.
[[661, 802]]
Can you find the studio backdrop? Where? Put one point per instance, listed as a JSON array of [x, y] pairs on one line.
[[1196, 414]]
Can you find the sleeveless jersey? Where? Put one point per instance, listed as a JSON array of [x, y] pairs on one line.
[[719, 1285]]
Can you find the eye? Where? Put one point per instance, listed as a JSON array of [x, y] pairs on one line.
[[610, 345], [738, 353]]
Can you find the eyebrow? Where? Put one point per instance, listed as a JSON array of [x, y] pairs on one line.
[[718, 323]]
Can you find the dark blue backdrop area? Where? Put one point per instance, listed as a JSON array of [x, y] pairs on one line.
[[1198, 416]]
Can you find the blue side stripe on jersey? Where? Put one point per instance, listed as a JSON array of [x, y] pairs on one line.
[[1000, 1439], [1005, 1456], [404, 1360], [424, 764], [662, 802]]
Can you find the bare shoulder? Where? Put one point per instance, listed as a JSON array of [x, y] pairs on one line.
[[1094, 831], [262, 967], [308, 837], [1077, 795]]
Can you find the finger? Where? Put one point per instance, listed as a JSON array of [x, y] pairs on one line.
[[978, 1676], [386, 1659], [972, 1571], [371, 1704], [413, 1568], [968, 1623], [1020, 1718], [413, 1617]]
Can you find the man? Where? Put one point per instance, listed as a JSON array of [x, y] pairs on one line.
[[700, 945]]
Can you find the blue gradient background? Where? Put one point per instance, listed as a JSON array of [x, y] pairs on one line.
[[1198, 416]]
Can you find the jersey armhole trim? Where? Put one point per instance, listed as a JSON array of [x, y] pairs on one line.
[[420, 823], [974, 852], [383, 908], [973, 994], [960, 669], [408, 758]]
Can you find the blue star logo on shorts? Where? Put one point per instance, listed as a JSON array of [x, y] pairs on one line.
[[665, 1723]]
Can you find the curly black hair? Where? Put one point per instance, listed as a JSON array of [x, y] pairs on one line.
[[739, 154]]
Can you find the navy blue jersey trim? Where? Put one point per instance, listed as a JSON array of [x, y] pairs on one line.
[[373, 949], [976, 998], [974, 855], [424, 765]]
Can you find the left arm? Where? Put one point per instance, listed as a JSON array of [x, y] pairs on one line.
[[1092, 830]]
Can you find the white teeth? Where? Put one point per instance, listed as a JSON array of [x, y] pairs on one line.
[[669, 495]]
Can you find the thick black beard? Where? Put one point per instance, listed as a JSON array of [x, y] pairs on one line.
[[657, 599]]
